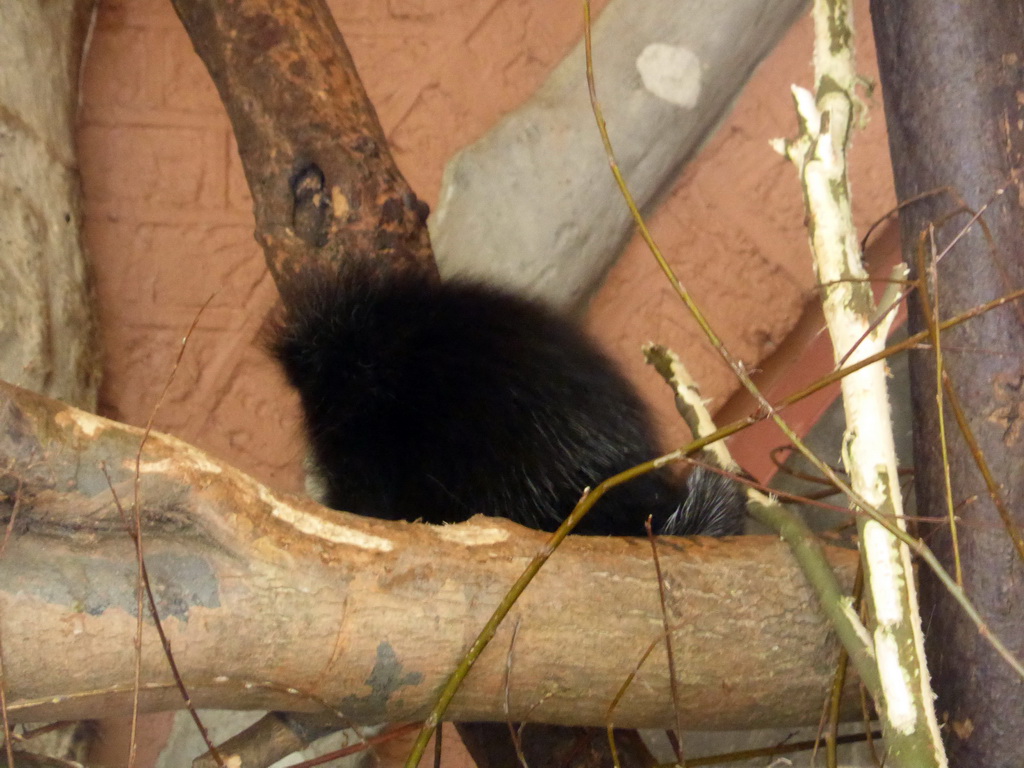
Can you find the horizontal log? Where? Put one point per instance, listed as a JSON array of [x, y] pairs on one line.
[[273, 602]]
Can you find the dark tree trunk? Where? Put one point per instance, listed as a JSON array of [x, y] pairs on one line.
[[952, 73]]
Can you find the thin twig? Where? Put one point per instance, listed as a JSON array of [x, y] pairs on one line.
[[8, 745], [995, 494], [930, 309], [888, 303], [609, 724], [515, 734], [142, 586], [15, 503], [394, 733], [165, 643], [490, 628], [782, 749], [438, 746], [832, 735], [673, 682]]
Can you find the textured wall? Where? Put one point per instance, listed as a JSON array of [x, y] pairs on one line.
[[168, 218], [168, 215]]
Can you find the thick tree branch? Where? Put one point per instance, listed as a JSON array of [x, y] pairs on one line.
[[275, 602], [323, 181]]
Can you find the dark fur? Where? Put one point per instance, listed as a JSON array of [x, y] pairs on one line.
[[437, 401]]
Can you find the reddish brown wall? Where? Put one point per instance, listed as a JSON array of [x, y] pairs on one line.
[[168, 217]]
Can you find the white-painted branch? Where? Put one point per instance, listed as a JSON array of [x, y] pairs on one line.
[[819, 153]]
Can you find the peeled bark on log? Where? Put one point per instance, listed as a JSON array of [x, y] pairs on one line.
[[48, 339], [274, 602]]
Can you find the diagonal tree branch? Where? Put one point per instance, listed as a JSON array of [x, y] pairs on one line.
[[323, 181]]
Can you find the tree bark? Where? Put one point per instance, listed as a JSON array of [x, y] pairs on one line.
[[952, 79], [323, 182], [274, 602], [48, 338]]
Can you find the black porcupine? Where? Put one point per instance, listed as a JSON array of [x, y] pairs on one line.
[[438, 400]]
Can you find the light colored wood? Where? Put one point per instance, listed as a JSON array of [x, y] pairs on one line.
[[532, 205], [48, 340], [274, 602]]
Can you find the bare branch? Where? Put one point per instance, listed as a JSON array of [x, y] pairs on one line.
[[274, 602]]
